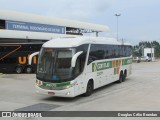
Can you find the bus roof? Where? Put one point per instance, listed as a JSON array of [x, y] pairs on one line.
[[76, 41], [25, 17]]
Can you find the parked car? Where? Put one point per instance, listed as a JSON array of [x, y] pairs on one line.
[[136, 59], [145, 59]]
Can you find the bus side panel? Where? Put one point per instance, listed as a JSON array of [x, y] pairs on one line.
[[88, 75], [78, 85], [104, 72]]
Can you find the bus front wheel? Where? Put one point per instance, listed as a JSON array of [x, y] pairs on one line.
[[89, 89], [19, 69]]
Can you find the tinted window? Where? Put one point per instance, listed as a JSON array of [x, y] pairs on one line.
[[98, 52], [81, 59]]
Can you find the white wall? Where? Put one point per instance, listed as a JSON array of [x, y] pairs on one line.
[[149, 50]]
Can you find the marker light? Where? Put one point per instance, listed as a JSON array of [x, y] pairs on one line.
[[51, 93], [68, 93], [37, 91], [38, 82]]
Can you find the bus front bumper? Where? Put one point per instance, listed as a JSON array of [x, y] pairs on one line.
[[59, 93]]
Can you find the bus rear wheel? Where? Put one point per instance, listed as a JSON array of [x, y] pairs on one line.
[[89, 89], [125, 75], [121, 78], [19, 69], [28, 69]]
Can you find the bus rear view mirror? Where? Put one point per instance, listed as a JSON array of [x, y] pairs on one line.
[[74, 58]]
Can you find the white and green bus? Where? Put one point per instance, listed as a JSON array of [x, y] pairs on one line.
[[68, 67]]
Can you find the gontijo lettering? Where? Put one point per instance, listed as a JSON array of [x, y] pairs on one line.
[[110, 64]]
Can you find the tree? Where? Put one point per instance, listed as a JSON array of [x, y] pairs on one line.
[[138, 49]]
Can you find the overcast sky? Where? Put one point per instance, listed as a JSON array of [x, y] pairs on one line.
[[139, 20]]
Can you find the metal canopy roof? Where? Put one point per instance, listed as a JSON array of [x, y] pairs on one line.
[[30, 35], [25, 17]]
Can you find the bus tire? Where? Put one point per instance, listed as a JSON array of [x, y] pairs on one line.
[[19, 69], [28, 69], [121, 78], [89, 89], [125, 75]]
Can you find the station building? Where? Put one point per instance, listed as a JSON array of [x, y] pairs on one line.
[[22, 34]]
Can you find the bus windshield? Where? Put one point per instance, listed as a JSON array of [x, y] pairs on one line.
[[55, 64]]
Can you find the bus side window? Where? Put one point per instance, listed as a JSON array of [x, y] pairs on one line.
[[82, 61], [97, 52], [113, 52], [80, 64], [92, 54], [82, 58], [106, 54], [1, 48], [77, 69], [130, 50]]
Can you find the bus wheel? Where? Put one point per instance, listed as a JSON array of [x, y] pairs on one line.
[[19, 69], [89, 89], [121, 78], [28, 69], [125, 75]]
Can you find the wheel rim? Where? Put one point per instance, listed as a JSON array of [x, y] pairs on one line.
[[121, 78], [89, 89], [28, 70], [125, 74], [19, 70]]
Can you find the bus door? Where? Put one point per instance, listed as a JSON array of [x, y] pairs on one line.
[[79, 76]]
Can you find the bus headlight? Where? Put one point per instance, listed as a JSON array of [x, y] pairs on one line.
[[38, 83], [68, 86]]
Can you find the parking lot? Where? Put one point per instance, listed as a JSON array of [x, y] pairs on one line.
[[140, 92]]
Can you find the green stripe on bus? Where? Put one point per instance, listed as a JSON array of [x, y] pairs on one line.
[[56, 84], [101, 66], [126, 61], [94, 67], [116, 63], [110, 64], [62, 84], [115, 71]]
